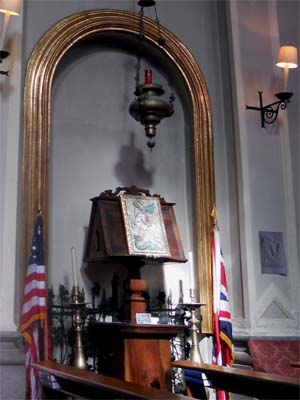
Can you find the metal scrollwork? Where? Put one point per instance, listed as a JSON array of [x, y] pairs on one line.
[[269, 113]]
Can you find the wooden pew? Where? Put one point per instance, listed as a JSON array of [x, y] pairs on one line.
[[247, 382], [88, 385]]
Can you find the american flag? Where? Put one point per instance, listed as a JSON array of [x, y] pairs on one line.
[[34, 311], [222, 339]]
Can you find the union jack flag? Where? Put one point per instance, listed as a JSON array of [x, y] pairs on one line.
[[222, 339], [34, 311]]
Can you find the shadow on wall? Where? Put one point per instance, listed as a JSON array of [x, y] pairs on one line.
[[131, 166]]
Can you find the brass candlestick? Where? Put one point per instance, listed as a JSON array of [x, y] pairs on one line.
[[194, 328], [79, 358], [193, 295]]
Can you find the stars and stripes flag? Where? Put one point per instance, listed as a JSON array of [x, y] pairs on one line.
[[222, 339], [34, 326]]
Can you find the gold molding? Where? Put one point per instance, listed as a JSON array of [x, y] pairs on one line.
[[36, 148]]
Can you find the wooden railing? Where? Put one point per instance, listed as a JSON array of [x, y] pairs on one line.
[[88, 385], [247, 382]]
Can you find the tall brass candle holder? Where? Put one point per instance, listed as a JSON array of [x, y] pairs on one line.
[[78, 305], [194, 327]]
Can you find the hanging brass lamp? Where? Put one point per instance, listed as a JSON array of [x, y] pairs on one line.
[[149, 107]]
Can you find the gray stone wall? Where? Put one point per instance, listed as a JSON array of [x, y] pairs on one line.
[[12, 366]]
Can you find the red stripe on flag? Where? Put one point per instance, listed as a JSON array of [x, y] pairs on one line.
[[34, 276], [225, 314], [35, 292]]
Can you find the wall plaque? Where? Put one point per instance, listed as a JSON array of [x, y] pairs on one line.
[[272, 254]]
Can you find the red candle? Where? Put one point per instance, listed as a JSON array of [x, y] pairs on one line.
[[148, 76]]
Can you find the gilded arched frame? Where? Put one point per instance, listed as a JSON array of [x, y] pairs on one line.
[[37, 127]]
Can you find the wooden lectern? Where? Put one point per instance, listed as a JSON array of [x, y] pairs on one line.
[[114, 235], [131, 227]]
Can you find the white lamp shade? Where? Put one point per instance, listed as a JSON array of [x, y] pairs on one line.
[[12, 7], [287, 57]]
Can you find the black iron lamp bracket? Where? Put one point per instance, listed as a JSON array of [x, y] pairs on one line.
[[3, 55], [269, 113]]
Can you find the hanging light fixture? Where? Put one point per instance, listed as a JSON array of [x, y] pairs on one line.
[[149, 107]]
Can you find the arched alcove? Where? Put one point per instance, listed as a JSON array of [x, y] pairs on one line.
[[37, 125]]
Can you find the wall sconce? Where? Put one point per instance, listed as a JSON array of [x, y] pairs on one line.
[[149, 107], [287, 58], [9, 8]]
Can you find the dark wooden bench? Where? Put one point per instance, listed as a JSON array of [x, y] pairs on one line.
[[88, 385], [247, 382]]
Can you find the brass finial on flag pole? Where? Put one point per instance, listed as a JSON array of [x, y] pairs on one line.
[[214, 216]]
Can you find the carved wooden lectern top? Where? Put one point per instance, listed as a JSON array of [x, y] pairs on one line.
[[130, 222]]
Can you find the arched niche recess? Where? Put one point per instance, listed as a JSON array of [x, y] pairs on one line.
[[37, 127]]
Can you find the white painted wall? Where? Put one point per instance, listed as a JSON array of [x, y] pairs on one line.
[[10, 103], [97, 145], [289, 32], [266, 197]]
